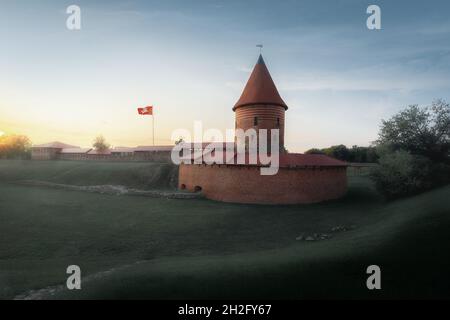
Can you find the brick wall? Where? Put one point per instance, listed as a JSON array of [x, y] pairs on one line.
[[244, 184], [267, 117]]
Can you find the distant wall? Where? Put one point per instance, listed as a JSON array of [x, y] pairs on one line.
[[44, 153], [54, 154], [244, 184]]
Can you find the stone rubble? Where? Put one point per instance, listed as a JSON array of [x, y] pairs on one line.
[[324, 236]]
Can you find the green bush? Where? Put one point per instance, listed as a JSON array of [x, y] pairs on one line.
[[414, 146], [400, 174]]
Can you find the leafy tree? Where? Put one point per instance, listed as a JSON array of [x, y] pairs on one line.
[[354, 154], [15, 147], [413, 147], [420, 131], [314, 151], [339, 152], [100, 144], [363, 154]]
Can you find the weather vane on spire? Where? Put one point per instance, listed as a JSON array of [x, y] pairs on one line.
[[260, 46]]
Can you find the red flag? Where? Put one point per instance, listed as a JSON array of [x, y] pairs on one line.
[[146, 110]]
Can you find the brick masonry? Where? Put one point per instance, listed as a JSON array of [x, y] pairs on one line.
[[244, 184], [266, 117]]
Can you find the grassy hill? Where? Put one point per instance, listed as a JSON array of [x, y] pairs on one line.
[[145, 175], [137, 247]]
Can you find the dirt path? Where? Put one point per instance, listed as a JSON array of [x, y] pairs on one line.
[[113, 190], [45, 293]]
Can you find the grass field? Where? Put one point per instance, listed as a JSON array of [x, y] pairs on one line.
[[139, 247]]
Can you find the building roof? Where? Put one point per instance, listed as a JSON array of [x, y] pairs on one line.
[[76, 150], [153, 148], [122, 149], [309, 160], [93, 151], [260, 88], [55, 145], [286, 160]]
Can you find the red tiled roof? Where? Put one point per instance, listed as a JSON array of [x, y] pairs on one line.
[[260, 88], [286, 160], [309, 160], [55, 145]]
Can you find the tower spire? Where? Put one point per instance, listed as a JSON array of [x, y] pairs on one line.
[[260, 88], [260, 46]]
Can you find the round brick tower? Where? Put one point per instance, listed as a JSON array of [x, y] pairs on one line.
[[260, 105], [301, 178]]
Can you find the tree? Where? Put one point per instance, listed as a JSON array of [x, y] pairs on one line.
[[314, 151], [413, 147], [341, 152], [100, 144], [363, 154], [420, 131], [15, 147]]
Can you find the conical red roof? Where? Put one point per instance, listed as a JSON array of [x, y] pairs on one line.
[[260, 88]]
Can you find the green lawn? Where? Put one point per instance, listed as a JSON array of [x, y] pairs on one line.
[[139, 247]]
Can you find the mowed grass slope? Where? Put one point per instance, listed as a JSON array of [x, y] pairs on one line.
[[138, 247], [144, 175]]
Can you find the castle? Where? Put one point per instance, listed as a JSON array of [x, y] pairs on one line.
[[301, 178]]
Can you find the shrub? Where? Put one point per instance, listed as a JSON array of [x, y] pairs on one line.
[[414, 150], [401, 174]]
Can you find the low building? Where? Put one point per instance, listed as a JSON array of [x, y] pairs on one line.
[[73, 153], [62, 151], [153, 153], [123, 151], [49, 151]]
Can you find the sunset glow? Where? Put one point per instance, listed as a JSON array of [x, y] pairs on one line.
[[191, 63]]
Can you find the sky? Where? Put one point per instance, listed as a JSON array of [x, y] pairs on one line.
[[191, 59]]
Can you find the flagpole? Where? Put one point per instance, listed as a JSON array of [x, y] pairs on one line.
[[153, 127]]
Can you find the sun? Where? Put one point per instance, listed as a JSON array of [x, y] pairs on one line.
[[1, 133]]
